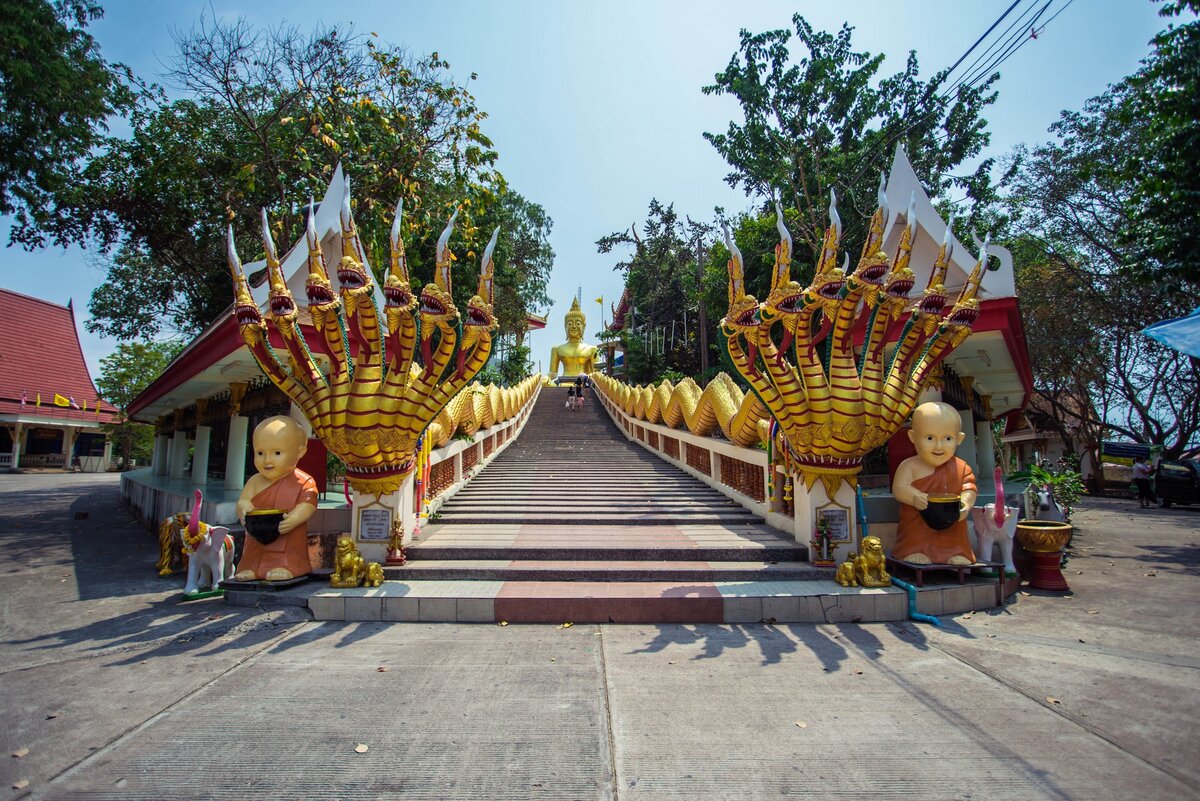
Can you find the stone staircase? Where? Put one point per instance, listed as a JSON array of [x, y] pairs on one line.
[[574, 523]]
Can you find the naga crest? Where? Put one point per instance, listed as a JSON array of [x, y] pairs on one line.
[[834, 407], [372, 404]]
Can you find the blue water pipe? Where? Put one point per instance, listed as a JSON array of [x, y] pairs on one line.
[[904, 585], [912, 603]]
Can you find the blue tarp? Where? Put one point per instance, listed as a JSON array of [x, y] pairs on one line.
[[1182, 333]]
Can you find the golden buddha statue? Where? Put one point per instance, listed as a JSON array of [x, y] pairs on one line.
[[576, 356]]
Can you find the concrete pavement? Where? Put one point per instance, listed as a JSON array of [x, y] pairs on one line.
[[117, 691]]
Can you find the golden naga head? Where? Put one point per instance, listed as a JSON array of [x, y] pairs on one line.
[[479, 315], [900, 279], [873, 262], [280, 301], [398, 296], [352, 270], [786, 296], [927, 312], [322, 300], [743, 316], [965, 310], [437, 303], [249, 319], [827, 283]]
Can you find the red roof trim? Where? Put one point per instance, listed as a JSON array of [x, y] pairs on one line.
[[210, 347]]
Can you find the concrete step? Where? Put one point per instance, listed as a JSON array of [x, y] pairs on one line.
[[615, 552], [559, 602], [485, 517], [597, 570]]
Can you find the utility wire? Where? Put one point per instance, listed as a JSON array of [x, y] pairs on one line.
[[1011, 44]]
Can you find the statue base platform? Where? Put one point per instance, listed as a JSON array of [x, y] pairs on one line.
[[993, 570], [264, 586], [197, 596]]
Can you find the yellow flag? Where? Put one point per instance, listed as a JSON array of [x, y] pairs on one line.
[[600, 300], [59, 400], [39, 401], [84, 409]]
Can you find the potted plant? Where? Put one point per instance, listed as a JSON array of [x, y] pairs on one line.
[[1046, 532]]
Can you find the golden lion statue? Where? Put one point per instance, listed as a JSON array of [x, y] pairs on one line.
[[866, 569], [350, 569]]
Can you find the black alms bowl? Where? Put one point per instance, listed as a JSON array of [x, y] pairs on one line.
[[263, 524], [942, 511]]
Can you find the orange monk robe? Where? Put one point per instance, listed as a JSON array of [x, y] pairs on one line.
[[914, 536], [289, 550]]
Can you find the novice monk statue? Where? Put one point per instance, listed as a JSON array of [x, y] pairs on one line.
[[934, 471], [279, 442]]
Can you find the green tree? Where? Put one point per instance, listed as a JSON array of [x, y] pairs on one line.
[[56, 94], [818, 119], [268, 113], [1164, 105], [661, 334], [1086, 292], [123, 375]]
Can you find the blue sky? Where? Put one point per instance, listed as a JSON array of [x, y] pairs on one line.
[[595, 107]]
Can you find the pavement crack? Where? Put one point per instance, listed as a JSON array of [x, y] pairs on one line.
[[608, 719], [1068, 715], [74, 767]]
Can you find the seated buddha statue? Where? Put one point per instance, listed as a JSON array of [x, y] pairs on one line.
[[576, 356]]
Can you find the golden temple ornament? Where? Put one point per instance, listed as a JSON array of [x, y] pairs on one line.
[[833, 411], [390, 376]]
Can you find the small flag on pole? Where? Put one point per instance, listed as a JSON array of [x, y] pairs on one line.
[[59, 400], [84, 405], [24, 399], [39, 401], [71, 400]]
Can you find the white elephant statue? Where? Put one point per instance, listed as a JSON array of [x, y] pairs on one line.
[[209, 550], [992, 530], [996, 524]]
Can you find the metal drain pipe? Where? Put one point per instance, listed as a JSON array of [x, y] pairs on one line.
[[912, 603]]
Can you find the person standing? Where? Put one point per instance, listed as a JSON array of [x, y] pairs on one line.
[[1141, 477]]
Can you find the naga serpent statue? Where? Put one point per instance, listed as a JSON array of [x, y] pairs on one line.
[[375, 398], [833, 411]]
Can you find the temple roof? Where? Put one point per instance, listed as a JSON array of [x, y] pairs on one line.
[[40, 354]]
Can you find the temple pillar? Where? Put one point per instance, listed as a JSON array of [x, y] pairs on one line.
[[107, 463], [179, 454], [235, 448], [986, 453], [68, 446], [967, 450], [235, 452], [18, 435], [158, 462], [200, 455]]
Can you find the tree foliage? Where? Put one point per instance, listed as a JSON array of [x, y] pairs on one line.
[[1087, 290], [56, 93], [661, 275], [124, 374], [817, 119], [266, 116], [1164, 103]]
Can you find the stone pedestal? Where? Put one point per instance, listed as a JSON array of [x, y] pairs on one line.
[[839, 510], [372, 515]]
